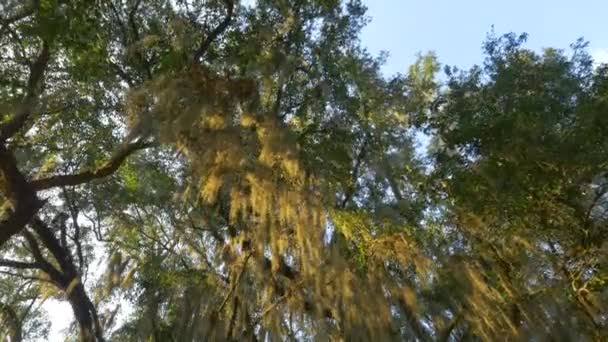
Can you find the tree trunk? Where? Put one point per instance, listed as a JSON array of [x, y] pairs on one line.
[[82, 313]]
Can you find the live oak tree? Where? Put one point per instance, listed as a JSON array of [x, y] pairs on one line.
[[211, 170], [520, 156]]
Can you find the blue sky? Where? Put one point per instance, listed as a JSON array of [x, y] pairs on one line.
[[455, 29]]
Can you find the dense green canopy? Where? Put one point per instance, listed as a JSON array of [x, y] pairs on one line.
[[208, 170]]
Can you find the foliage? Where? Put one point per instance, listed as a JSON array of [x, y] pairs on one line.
[[209, 170]]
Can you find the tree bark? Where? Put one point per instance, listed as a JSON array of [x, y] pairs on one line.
[[85, 314], [68, 279], [21, 200]]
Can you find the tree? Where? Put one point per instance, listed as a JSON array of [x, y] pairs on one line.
[[521, 154], [246, 172]]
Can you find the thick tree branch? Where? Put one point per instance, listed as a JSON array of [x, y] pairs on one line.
[[206, 42], [136, 36], [53, 244], [355, 172], [21, 201], [34, 86], [18, 264], [107, 169], [42, 263], [68, 279]]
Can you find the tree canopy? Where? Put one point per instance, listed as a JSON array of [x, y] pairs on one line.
[[209, 170]]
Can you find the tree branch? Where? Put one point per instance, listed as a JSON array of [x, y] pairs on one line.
[[18, 264], [236, 283], [133, 24], [445, 334], [105, 170], [21, 201], [76, 238], [206, 42], [34, 86], [355, 172], [68, 280], [26, 12], [59, 252], [26, 277], [43, 264]]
